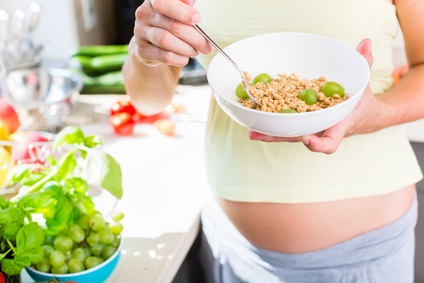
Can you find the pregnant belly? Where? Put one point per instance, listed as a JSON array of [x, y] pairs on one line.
[[296, 228]]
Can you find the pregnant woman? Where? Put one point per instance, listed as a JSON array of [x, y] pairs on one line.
[[337, 206]]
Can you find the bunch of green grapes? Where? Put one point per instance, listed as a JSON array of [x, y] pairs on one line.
[[83, 245]]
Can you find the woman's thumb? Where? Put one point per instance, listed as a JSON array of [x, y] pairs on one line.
[[364, 48]]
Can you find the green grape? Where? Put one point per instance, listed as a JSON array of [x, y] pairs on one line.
[[87, 251], [75, 265], [63, 269], [79, 254], [57, 258], [44, 265], [92, 261], [240, 92], [67, 256], [331, 88], [116, 227], [117, 216], [63, 243], [96, 249], [84, 222], [116, 241], [309, 96], [76, 233], [287, 110], [97, 222], [92, 238], [263, 78], [47, 249], [105, 235], [108, 251]]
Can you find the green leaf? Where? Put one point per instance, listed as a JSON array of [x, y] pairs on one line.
[[3, 202], [10, 267], [69, 135], [11, 214], [11, 230], [22, 259], [41, 202], [30, 237], [37, 255], [93, 141], [104, 171], [76, 185], [25, 174], [62, 214], [67, 165], [84, 203]]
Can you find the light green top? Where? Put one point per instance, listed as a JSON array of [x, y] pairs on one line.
[[364, 165]]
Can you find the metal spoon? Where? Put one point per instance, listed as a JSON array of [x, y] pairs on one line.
[[245, 83]]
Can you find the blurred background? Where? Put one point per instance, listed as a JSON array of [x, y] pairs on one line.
[[67, 24], [63, 27]]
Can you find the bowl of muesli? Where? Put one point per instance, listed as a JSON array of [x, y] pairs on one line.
[[302, 83]]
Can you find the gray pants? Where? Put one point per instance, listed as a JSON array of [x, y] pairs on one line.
[[384, 255]]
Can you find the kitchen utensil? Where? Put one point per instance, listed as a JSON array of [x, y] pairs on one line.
[[36, 87], [245, 83], [4, 29]]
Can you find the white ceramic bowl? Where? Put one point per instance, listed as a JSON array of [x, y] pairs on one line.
[[307, 55]]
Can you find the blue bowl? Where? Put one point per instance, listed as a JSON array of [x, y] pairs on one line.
[[98, 273]]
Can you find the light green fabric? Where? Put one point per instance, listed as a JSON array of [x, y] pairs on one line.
[[364, 165]]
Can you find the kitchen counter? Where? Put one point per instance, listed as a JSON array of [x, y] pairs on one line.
[[164, 184]]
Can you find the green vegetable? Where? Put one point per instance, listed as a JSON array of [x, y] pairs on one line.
[[112, 82], [98, 167], [24, 249], [99, 65], [331, 88], [99, 50], [58, 190], [309, 96]]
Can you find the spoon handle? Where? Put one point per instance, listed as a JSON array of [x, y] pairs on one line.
[[245, 82], [218, 48]]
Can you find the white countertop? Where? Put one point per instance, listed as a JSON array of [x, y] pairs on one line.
[[164, 185]]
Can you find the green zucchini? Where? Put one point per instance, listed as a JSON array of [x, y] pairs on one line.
[[108, 62], [82, 63], [99, 50], [94, 66], [108, 83]]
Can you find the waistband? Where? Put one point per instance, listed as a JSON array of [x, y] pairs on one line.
[[360, 250]]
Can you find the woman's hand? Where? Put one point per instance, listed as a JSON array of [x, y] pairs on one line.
[[329, 140], [164, 33]]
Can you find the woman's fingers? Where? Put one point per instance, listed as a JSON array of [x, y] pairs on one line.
[[164, 33], [181, 11], [266, 138], [364, 48]]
